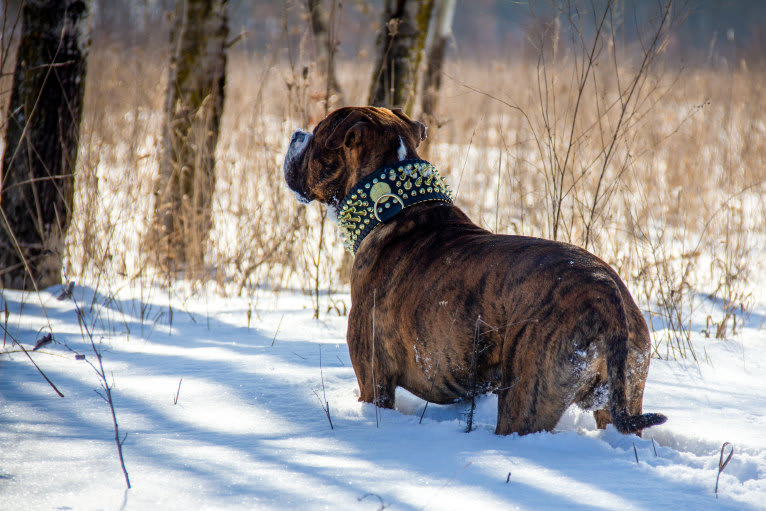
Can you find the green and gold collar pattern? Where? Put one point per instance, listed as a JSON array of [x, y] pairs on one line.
[[384, 194]]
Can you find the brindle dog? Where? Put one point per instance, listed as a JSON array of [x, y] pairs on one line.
[[445, 308]]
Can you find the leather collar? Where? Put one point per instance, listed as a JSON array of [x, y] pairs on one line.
[[384, 194]]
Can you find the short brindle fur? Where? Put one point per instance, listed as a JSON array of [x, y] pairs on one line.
[[543, 324]]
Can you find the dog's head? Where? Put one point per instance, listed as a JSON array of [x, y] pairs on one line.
[[345, 147]]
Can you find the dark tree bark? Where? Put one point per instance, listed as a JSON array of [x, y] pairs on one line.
[[325, 42], [42, 130], [193, 109], [399, 49]]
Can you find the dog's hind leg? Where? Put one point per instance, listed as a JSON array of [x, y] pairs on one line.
[[639, 368], [527, 401]]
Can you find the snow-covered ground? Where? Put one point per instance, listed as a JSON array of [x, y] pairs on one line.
[[248, 430]]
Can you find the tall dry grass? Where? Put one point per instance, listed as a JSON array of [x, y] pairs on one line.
[[677, 210]]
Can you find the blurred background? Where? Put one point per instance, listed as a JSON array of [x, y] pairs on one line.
[[714, 30], [632, 128]]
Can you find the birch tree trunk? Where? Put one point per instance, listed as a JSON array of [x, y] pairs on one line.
[[399, 49], [193, 108], [325, 42], [42, 131], [441, 31]]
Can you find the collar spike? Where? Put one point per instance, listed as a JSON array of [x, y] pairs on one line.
[[392, 190]]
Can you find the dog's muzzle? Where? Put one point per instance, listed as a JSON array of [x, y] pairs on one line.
[[298, 144]]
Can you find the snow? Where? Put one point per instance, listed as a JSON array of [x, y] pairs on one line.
[[249, 431]]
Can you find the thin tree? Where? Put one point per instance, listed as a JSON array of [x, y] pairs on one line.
[[42, 131], [193, 108], [440, 33], [326, 46], [399, 48]]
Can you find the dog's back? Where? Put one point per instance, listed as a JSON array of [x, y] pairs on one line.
[[545, 324]]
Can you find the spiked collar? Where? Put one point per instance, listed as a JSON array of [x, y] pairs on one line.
[[384, 194]]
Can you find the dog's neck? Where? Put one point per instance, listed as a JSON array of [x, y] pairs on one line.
[[384, 194]]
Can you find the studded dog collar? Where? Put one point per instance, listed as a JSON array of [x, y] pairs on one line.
[[384, 194]]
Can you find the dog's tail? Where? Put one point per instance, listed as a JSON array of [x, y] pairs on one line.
[[627, 424], [617, 351]]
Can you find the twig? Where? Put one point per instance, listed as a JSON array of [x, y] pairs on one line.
[[649, 55], [317, 261], [17, 343], [722, 463], [104, 385], [277, 331], [175, 398], [372, 364], [423, 413], [326, 406], [382, 504], [5, 321], [635, 451], [236, 39], [472, 378], [297, 355], [433, 380]]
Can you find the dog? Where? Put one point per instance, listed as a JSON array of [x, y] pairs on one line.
[[446, 309]]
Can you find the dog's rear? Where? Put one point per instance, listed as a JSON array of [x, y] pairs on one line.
[[627, 369]]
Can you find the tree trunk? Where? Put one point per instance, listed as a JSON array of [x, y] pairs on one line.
[[37, 179], [325, 42], [399, 47], [441, 31], [193, 107]]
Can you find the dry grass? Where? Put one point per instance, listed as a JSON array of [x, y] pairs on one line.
[[681, 200]]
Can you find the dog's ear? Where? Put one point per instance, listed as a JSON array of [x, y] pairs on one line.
[[419, 130], [355, 134], [348, 132]]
